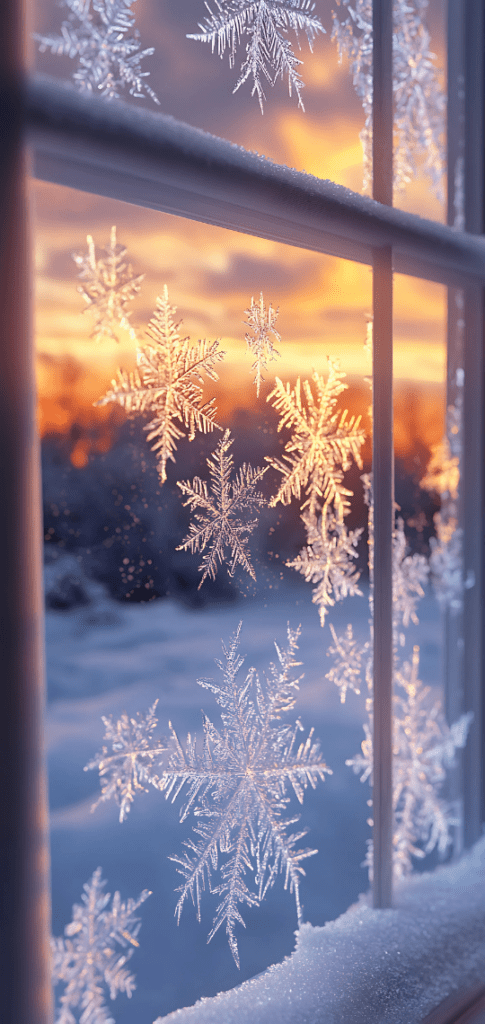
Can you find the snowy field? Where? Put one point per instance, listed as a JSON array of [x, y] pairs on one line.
[[158, 650]]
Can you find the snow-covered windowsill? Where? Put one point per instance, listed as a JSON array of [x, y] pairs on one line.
[[371, 966]]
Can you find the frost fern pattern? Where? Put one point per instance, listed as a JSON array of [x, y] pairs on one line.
[[87, 959], [424, 746], [236, 786], [109, 60], [269, 54]]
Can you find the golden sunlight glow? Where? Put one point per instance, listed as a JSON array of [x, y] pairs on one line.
[[212, 275]]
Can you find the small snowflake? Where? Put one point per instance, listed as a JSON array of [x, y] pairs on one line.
[[87, 959], [348, 654], [224, 508], [261, 322], [167, 383], [109, 285], [94, 33], [323, 443], [268, 52], [237, 786], [327, 560], [127, 769]]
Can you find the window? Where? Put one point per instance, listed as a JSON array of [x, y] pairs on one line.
[[81, 142]]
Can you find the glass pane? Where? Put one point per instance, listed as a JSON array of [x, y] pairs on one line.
[[420, 73], [330, 138], [126, 621], [428, 567], [136, 609]]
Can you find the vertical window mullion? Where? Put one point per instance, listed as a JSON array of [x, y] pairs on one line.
[[26, 996], [453, 642], [382, 461], [473, 484]]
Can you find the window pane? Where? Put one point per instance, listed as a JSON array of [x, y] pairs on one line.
[[126, 623], [327, 137], [428, 383]]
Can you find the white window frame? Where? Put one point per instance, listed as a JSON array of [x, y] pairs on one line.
[[127, 153]]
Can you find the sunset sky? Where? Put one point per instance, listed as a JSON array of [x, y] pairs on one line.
[[212, 273]]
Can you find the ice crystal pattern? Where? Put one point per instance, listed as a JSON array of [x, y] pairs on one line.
[[236, 785], [109, 284], [261, 323], [327, 560], [167, 383], [423, 747], [96, 33], [266, 23], [419, 98], [222, 512], [322, 445], [88, 958]]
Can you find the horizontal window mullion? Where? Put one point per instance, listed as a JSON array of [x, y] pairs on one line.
[[152, 160]]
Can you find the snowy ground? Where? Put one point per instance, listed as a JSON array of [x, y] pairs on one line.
[[157, 651]]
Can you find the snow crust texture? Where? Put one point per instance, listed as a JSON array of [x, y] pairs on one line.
[[385, 966]]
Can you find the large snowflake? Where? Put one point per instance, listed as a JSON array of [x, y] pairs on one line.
[[266, 23], [327, 560], [236, 787], [87, 959], [424, 746], [323, 442], [419, 98], [109, 59], [109, 284], [222, 512], [167, 383], [261, 323]]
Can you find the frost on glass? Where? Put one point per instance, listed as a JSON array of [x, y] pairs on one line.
[[109, 59], [167, 384], [98, 943], [266, 23], [235, 785], [238, 776], [424, 746], [418, 90]]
